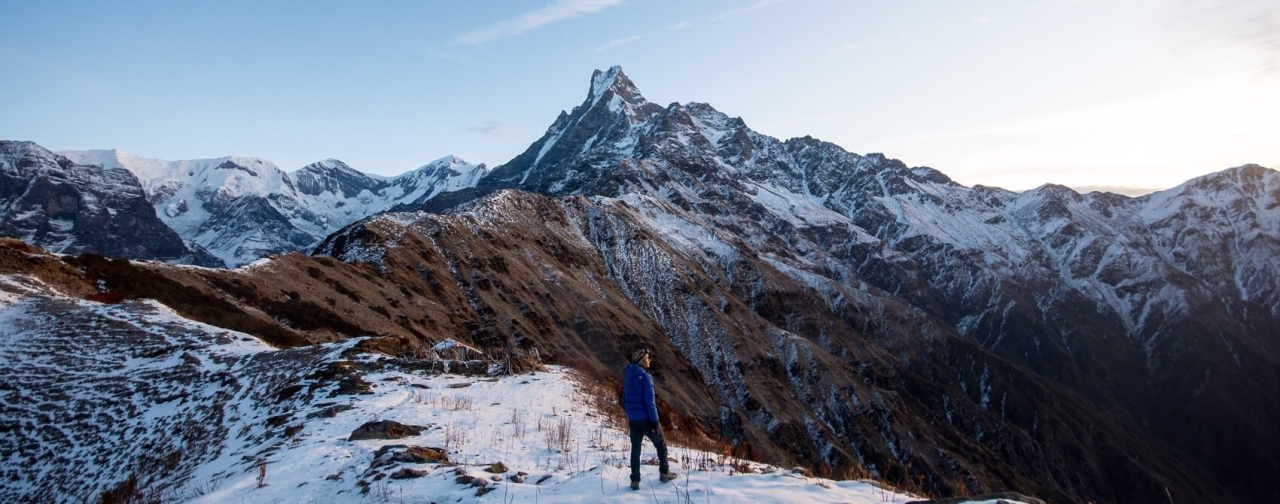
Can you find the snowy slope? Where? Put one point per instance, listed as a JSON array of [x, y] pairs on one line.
[[239, 209], [97, 393]]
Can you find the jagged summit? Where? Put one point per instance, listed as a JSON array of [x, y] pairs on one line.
[[612, 95], [336, 177], [616, 82], [449, 160]]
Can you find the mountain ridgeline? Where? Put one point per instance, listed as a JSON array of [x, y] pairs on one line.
[[808, 304]]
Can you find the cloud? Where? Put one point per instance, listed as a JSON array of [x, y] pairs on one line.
[[501, 129], [758, 5], [560, 10], [652, 33]]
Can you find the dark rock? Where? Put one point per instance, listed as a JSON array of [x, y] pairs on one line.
[[466, 479], [411, 454], [385, 429], [287, 392], [407, 473], [330, 411], [393, 347], [293, 430], [278, 420], [351, 385]]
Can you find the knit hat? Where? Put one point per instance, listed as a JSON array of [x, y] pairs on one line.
[[638, 355]]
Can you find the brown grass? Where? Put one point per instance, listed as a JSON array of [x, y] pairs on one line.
[[17, 256]]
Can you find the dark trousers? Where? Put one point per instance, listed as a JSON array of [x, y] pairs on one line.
[[641, 429]]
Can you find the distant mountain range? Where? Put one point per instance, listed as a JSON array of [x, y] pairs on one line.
[[239, 209], [848, 310]]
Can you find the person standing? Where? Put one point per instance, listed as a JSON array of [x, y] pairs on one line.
[[642, 415]]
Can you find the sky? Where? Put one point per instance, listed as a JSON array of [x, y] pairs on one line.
[[1125, 95]]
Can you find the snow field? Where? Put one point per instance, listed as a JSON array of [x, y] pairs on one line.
[[540, 424]]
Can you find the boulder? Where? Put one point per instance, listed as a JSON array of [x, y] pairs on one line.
[[411, 454], [407, 473], [385, 429]]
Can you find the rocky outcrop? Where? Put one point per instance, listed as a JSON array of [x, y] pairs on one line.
[[385, 429], [51, 202]]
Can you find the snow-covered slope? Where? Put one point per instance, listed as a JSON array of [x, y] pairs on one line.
[[239, 209], [98, 395]]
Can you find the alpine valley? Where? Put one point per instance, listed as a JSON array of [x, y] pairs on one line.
[[808, 305]]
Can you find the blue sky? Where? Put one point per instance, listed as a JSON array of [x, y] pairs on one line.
[[1133, 93]]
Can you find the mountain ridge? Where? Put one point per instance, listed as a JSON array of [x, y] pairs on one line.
[[221, 204], [850, 308], [1115, 297]]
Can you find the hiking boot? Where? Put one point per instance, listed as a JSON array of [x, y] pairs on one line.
[[635, 485], [667, 476]]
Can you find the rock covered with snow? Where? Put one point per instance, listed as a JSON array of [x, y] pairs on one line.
[[50, 201]]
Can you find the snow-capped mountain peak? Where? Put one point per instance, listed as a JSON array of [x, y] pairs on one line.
[[241, 208], [451, 162], [335, 177], [615, 82], [613, 91]]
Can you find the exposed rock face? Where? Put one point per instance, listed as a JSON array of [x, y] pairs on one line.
[[47, 200]]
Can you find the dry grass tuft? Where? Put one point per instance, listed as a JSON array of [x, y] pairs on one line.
[[559, 435]]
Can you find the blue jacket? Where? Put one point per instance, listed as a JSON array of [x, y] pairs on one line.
[[637, 394]]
